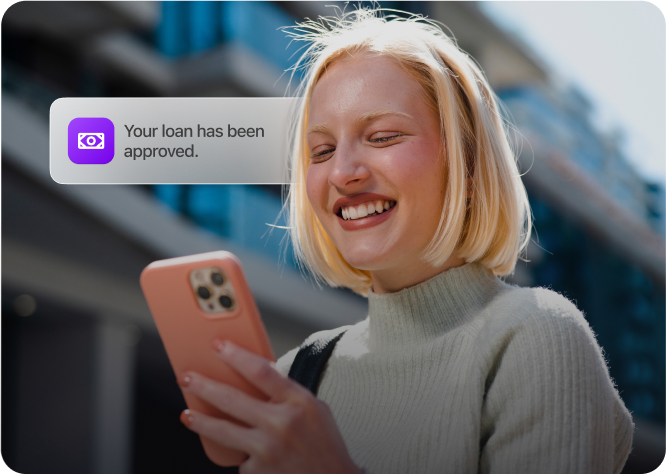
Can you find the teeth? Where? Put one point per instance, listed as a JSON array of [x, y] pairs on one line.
[[366, 209]]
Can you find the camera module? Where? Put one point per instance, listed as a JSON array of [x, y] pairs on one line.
[[213, 292]]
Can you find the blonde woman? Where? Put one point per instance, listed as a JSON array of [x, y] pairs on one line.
[[405, 189]]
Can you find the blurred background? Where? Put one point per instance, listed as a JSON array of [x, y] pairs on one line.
[[86, 384]]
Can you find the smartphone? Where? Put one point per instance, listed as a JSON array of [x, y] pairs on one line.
[[194, 300]]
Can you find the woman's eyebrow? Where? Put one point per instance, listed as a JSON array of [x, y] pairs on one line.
[[369, 117], [317, 129], [362, 119]]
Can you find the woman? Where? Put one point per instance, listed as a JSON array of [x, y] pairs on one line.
[[405, 189]]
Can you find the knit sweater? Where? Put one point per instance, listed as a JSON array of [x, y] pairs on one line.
[[465, 373]]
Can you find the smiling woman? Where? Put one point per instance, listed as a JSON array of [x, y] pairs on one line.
[[399, 104], [405, 189]]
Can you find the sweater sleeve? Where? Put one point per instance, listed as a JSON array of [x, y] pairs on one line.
[[550, 405]]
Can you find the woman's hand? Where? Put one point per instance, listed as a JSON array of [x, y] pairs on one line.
[[291, 433]]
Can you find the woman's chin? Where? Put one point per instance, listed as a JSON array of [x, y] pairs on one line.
[[366, 260]]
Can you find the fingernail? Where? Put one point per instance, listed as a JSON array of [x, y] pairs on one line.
[[218, 345], [186, 418], [184, 380]]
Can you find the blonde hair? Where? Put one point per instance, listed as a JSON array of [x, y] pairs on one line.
[[493, 226]]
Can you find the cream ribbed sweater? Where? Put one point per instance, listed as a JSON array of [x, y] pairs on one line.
[[464, 373]]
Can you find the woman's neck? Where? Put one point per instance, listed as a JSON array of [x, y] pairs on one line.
[[417, 314], [394, 279]]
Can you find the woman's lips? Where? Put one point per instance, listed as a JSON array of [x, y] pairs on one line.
[[365, 222]]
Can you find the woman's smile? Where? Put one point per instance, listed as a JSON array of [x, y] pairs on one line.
[[363, 210], [369, 220]]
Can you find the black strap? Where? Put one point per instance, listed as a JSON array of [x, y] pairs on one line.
[[310, 361]]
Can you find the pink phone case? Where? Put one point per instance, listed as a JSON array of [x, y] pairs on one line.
[[187, 331]]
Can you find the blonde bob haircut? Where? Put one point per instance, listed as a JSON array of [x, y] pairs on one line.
[[486, 215]]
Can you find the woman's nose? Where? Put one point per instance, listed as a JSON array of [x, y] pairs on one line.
[[348, 168]]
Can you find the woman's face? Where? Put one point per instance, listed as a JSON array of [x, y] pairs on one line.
[[376, 178]]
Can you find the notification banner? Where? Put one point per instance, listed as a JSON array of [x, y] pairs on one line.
[[169, 140]]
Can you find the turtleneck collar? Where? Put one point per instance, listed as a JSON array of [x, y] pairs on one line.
[[420, 313]]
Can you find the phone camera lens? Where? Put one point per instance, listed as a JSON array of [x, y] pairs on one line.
[[203, 292], [226, 302], [217, 278]]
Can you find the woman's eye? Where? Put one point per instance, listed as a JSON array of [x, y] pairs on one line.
[[321, 154], [385, 139]]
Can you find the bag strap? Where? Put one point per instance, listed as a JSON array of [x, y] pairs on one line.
[[310, 361]]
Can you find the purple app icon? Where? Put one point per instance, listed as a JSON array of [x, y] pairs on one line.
[[90, 140]]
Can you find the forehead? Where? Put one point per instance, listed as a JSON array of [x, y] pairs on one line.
[[364, 82]]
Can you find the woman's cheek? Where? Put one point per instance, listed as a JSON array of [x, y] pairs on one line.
[[410, 167], [425, 165], [316, 187]]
